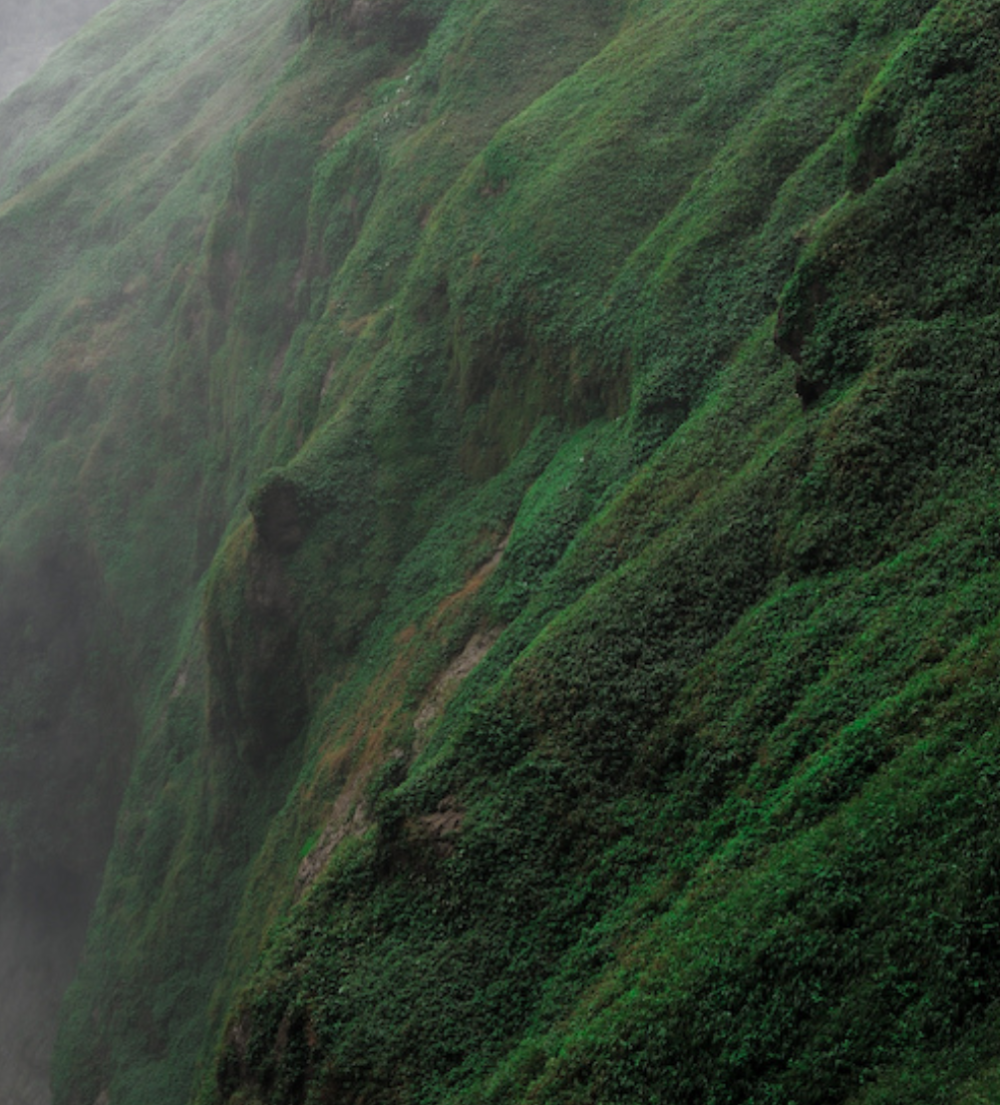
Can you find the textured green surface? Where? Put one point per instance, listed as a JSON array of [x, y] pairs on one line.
[[534, 467]]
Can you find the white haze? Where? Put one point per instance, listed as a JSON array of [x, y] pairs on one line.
[[32, 29], [40, 935], [41, 912]]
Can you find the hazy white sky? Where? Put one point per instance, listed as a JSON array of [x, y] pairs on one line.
[[30, 29]]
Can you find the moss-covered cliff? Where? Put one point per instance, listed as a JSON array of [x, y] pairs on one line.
[[498, 548]]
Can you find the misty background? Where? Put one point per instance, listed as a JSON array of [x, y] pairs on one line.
[[42, 910], [32, 29]]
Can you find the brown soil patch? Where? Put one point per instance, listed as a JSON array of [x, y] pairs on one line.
[[444, 823], [475, 581], [360, 737], [338, 827], [356, 326], [446, 819], [355, 746], [448, 682]]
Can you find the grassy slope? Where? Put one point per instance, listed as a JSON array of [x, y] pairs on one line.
[[713, 819]]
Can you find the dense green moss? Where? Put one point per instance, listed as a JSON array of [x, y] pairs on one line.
[[517, 483]]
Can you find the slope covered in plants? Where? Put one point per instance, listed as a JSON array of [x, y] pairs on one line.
[[498, 515]]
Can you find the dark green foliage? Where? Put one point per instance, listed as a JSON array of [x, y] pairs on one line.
[[520, 488]]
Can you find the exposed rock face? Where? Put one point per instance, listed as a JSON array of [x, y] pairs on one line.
[[448, 682], [258, 698], [278, 515]]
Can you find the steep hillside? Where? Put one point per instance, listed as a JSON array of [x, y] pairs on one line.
[[498, 550]]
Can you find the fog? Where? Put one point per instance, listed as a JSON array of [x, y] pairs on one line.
[[40, 933], [31, 29]]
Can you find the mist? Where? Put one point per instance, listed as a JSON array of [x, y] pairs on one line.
[[32, 29], [41, 928]]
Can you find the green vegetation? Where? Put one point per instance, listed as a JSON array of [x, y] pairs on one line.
[[498, 503]]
